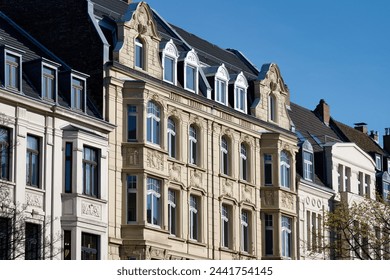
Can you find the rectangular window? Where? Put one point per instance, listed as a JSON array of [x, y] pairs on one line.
[[12, 71], [131, 198], [313, 231], [308, 230], [32, 161], [360, 183], [220, 94], [378, 162], [5, 145], [48, 83], [67, 245], [340, 171], [286, 237], [169, 69], [225, 214], [68, 166], [33, 242], [139, 53], [367, 183], [194, 217], [240, 99], [90, 246], [172, 222], [154, 202], [190, 77], [267, 169], [269, 235], [5, 238], [308, 173], [347, 179], [131, 123], [245, 223], [91, 171], [77, 94], [319, 234]]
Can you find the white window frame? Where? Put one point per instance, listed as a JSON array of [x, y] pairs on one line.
[[245, 234], [225, 226], [378, 162], [240, 101], [171, 131], [286, 237], [139, 46], [193, 143], [244, 162], [225, 156], [153, 117], [18, 65], [170, 52], [131, 190], [154, 191], [172, 212], [191, 60], [194, 217], [285, 170], [221, 81], [46, 78], [308, 165], [75, 91]]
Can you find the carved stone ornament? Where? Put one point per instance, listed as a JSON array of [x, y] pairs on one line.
[[155, 160], [269, 198], [90, 209], [287, 201], [132, 156], [228, 188], [246, 194], [175, 172], [34, 200], [175, 113], [196, 179], [158, 253]]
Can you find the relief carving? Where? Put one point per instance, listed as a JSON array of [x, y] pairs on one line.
[[34, 200], [269, 198], [132, 156], [246, 194], [90, 209], [196, 179], [175, 172], [228, 188], [155, 160], [287, 201]]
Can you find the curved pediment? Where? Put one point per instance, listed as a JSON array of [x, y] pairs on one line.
[[271, 77]]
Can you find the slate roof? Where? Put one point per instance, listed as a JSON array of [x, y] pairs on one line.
[[11, 35], [363, 140], [115, 11]]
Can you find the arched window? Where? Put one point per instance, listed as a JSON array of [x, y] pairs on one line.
[[171, 138], [240, 89], [154, 201], [153, 123], [245, 231], [284, 170], [221, 85], [225, 227], [243, 162], [224, 156], [194, 217], [169, 59], [191, 75], [193, 143], [139, 53], [272, 108]]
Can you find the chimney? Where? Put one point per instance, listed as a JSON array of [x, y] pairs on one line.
[[386, 140], [362, 127], [322, 110], [374, 136]]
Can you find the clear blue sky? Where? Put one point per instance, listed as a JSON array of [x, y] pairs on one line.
[[338, 50]]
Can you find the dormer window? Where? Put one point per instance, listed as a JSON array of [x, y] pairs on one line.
[[139, 53], [49, 85], [13, 71], [378, 162], [221, 82], [169, 56], [308, 161], [240, 87], [191, 76], [77, 99]]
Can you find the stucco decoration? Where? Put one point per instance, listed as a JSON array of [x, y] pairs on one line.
[[175, 172], [34, 200], [132, 156], [155, 160], [158, 253], [287, 201], [196, 179], [247, 194], [227, 188], [268, 198], [142, 21], [197, 121], [176, 114], [90, 209]]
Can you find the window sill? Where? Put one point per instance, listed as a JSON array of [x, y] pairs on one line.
[[35, 189], [195, 167], [175, 238], [171, 159], [227, 177], [227, 250], [195, 242], [100, 200], [246, 183]]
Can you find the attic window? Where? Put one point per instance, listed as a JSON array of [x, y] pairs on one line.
[[221, 83], [378, 162], [191, 65], [240, 88], [13, 71], [169, 57], [139, 54], [49, 86], [77, 94]]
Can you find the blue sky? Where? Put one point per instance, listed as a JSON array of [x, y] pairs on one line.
[[333, 50]]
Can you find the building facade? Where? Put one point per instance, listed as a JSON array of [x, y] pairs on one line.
[[54, 156]]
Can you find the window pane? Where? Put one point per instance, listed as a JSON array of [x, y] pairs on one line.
[[90, 247], [268, 169], [190, 78], [4, 153], [168, 69], [32, 242], [132, 123]]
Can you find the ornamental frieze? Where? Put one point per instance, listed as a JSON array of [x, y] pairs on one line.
[[155, 160], [90, 209], [34, 200]]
